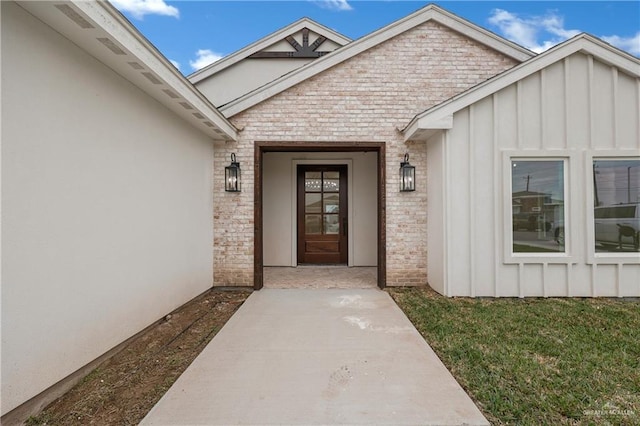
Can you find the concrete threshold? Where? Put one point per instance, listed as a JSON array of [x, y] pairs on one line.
[[317, 357]]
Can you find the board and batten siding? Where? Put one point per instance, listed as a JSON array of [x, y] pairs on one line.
[[576, 109]]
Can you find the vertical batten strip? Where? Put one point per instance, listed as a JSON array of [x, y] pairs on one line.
[[614, 107], [497, 216], [590, 99], [472, 200], [447, 206], [619, 280], [638, 107], [565, 85], [569, 277], [543, 108], [594, 273], [520, 280], [545, 271], [519, 114]]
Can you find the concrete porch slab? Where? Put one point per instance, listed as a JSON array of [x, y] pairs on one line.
[[317, 356]]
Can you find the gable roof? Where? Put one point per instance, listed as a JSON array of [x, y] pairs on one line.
[[428, 13], [439, 117], [103, 32], [264, 43]]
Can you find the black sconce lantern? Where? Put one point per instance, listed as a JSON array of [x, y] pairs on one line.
[[407, 175], [232, 175]]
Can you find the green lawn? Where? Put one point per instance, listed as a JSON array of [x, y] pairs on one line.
[[537, 361]]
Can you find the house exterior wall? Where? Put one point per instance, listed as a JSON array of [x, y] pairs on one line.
[[576, 109], [364, 99], [106, 208], [251, 73], [245, 76], [279, 186], [436, 213]]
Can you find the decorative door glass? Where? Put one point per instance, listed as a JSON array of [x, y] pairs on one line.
[[322, 203]]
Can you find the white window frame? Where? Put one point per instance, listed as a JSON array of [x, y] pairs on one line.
[[568, 158], [592, 256]]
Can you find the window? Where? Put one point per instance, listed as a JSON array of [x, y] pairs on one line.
[[537, 205], [616, 196]]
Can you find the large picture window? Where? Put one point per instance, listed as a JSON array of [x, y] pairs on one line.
[[616, 196], [537, 206]]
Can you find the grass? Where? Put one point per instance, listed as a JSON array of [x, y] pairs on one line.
[[537, 361]]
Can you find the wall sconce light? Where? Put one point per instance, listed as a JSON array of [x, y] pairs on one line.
[[407, 175], [232, 175]]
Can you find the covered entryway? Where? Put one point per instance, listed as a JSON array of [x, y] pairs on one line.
[[319, 204]]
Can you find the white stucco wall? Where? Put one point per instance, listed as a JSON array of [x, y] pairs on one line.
[[279, 190], [575, 109], [106, 208]]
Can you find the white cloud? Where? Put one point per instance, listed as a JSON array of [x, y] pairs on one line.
[[537, 33], [139, 8], [204, 57], [629, 44], [175, 64], [339, 5]]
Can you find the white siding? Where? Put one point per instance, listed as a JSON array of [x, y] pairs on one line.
[[576, 109], [437, 247], [106, 208], [245, 76]]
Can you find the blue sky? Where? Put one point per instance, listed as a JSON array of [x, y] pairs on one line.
[[193, 34]]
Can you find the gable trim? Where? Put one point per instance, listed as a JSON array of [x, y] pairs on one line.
[[422, 126], [265, 42], [430, 12]]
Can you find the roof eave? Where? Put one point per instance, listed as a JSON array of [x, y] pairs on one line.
[[133, 57], [417, 127], [430, 12], [263, 43]]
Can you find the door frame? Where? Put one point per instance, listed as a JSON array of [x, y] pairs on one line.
[[294, 208], [344, 209], [261, 147]]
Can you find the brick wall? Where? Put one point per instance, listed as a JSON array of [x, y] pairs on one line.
[[367, 98]]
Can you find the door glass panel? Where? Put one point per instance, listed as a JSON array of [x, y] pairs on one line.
[[331, 203], [313, 203], [331, 224], [312, 181], [331, 184], [313, 223]]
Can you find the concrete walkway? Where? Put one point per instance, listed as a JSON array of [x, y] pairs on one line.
[[316, 357]]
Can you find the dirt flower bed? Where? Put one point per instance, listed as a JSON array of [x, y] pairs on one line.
[[123, 389]]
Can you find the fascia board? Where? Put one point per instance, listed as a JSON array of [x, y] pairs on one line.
[[611, 55], [155, 75], [113, 22], [422, 129], [582, 43], [482, 35], [362, 44], [263, 43]]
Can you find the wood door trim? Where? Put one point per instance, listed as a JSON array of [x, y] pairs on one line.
[[260, 147], [343, 237]]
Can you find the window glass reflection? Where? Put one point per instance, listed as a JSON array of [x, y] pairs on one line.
[[616, 196], [537, 206]]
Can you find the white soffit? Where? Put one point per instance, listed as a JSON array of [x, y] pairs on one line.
[[423, 125], [104, 33], [264, 43], [430, 12]]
